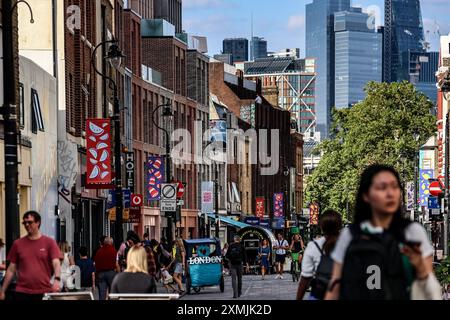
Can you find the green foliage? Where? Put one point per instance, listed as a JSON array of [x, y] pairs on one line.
[[442, 272], [377, 130]]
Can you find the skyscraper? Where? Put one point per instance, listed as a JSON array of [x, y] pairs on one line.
[[358, 56], [258, 48], [320, 45], [169, 10], [237, 47], [403, 33]]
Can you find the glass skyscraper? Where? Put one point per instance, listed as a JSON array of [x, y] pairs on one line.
[[358, 56], [403, 33], [237, 47], [258, 48], [320, 45]]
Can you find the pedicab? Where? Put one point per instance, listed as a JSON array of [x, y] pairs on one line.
[[203, 264]]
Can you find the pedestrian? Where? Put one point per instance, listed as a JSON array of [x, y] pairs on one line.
[[146, 241], [67, 261], [165, 255], [180, 263], [382, 256], [2, 260], [135, 279], [167, 279], [131, 241], [151, 265], [236, 256], [317, 264], [87, 270], [297, 247], [264, 258], [226, 266], [106, 266], [100, 244], [34, 258], [280, 258]]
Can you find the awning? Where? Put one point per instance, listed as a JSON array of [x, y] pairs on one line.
[[229, 221]]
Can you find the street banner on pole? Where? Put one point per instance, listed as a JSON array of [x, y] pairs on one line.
[[155, 175], [129, 170], [425, 176], [278, 205], [98, 155], [313, 214], [410, 196], [207, 197], [260, 208]]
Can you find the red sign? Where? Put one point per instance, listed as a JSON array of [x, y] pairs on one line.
[[260, 209], [435, 188], [137, 200], [98, 155], [135, 215], [180, 190]]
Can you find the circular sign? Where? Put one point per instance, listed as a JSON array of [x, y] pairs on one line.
[[435, 188], [180, 191], [137, 200], [169, 191]]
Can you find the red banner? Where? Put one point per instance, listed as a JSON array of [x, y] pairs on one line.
[[260, 208], [98, 155]]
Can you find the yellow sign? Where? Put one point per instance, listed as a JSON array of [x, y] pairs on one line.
[[112, 214], [126, 214]]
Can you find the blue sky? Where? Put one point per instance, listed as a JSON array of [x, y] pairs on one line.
[[282, 22]]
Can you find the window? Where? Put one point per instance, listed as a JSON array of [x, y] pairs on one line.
[[22, 105], [37, 123]]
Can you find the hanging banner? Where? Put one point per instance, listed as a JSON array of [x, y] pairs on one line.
[[129, 170], [278, 205], [410, 196], [424, 184], [207, 197], [155, 175], [98, 155], [260, 208], [313, 214]]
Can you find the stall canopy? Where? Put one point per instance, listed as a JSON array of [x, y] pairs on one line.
[[229, 221]]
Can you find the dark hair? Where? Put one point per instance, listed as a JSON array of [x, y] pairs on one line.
[[102, 240], [36, 216], [331, 225], [133, 236], [83, 251], [153, 242], [363, 210], [146, 235]]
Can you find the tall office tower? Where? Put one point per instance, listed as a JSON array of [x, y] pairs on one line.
[[403, 33], [237, 47], [171, 11], [358, 56], [258, 48], [320, 45]]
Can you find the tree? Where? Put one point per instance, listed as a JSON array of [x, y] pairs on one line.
[[379, 129]]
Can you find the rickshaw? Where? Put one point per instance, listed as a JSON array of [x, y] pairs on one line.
[[203, 264]]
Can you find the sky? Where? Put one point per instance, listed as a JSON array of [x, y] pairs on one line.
[[282, 22]]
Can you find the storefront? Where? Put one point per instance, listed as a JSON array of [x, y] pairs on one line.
[[151, 223]]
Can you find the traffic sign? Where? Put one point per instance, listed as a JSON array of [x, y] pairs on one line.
[[137, 200], [435, 188], [169, 197], [180, 190], [433, 203]]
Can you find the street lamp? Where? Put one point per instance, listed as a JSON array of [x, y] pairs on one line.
[[416, 136], [216, 190], [115, 57], [167, 112]]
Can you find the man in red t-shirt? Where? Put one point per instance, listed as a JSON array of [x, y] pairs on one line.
[[34, 258], [106, 266]]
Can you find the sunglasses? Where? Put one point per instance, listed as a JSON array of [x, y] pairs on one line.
[[25, 223]]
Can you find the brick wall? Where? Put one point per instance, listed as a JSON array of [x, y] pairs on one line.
[[198, 77]]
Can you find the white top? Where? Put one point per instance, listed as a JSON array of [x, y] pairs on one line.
[[282, 243], [413, 232], [311, 258], [2, 255]]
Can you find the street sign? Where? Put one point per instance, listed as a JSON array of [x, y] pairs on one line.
[[169, 197], [180, 202], [126, 198], [254, 221], [433, 203], [129, 172], [137, 200], [135, 215], [180, 190], [435, 188]]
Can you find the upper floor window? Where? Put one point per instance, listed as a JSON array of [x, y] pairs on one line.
[[37, 122]]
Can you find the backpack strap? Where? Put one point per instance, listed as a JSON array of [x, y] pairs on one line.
[[319, 248]]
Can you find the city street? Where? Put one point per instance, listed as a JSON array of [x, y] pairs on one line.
[[253, 288]]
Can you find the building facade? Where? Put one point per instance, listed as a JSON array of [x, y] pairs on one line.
[[358, 57], [258, 48], [169, 10], [237, 47]]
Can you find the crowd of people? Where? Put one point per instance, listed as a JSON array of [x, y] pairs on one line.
[[380, 256]]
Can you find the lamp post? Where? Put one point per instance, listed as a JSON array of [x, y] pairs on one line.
[[115, 57], [416, 136], [166, 113], [216, 192]]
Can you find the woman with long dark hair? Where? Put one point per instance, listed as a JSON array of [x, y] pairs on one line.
[[382, 256], [331, 224]]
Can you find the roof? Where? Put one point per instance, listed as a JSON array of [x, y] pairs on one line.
[[229, 221], [273, 65]]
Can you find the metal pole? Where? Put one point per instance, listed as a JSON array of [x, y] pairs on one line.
[[446, 187], [216, 197], [118, 171], [168, 179], [416, 186], [10, 127]]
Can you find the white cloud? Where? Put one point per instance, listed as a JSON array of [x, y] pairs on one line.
[[296, 22]]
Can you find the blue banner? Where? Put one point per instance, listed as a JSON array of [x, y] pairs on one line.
[[265, 223], [254, 221], [126, 198], [424, 184], [111, 202], [155, 176]]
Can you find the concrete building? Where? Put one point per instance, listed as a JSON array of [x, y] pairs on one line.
[[169, 10], [225, 58], [258, 48], [358, 56], [237, 47], [293, 53]]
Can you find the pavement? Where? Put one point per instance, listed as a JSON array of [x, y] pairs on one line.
[[253, 288]]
